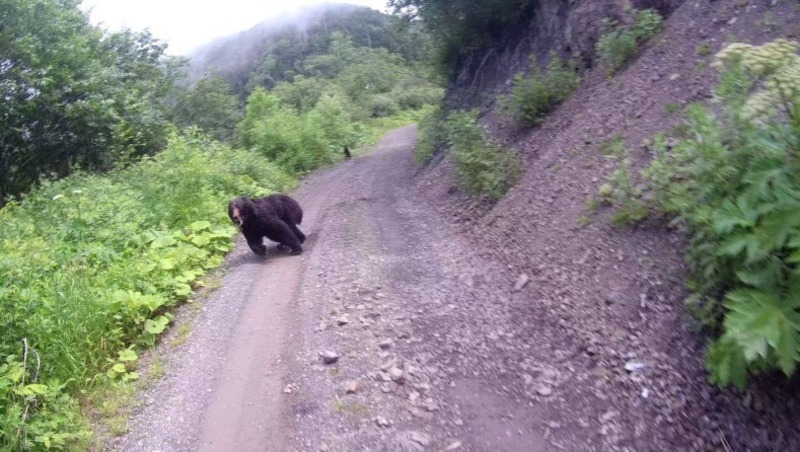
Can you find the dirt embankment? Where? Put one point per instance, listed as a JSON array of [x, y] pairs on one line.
[[616, 294]]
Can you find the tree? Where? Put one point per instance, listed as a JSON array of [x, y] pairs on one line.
[[74, 96], [211, 106]]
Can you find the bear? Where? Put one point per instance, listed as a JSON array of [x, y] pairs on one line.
[[275, 217]]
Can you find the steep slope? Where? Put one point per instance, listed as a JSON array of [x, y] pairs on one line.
[[617, 292]]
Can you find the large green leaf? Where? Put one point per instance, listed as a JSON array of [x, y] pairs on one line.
[[156, 325]]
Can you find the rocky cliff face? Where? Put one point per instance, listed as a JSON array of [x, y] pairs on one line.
[[568, 27]]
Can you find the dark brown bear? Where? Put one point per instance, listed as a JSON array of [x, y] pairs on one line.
[[275, 217]]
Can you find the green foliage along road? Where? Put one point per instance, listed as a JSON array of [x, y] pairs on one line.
[[90, 264]]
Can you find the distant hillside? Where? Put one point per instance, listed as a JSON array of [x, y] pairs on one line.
[[274, 51]]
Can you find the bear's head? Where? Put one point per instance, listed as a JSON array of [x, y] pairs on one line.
[[241, 210]]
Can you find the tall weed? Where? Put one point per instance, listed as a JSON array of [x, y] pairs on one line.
[[537, 94], [482, 167], [618, 43]]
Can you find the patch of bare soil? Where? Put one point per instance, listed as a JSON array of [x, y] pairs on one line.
[[607, 302]]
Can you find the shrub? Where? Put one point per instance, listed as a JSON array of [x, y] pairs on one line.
[[381, 105], [537, 94], [482, 167], [734, 184], [90, 265], [618, 43], [432, 136]]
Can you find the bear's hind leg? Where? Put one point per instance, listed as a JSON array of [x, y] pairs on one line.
[[280, 232], [297, 232]]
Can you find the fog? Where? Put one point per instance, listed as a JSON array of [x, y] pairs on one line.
[[188, 24]]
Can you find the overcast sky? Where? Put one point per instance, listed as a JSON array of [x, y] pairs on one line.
[[186, 24]]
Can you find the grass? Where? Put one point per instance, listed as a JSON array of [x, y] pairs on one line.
[[351, 407], [672, 107], [183, 334], [619, 44], [157, 368], [534, 96], [611, 145], [703, 49]]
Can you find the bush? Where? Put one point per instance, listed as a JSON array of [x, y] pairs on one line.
[[482, 167], [296, 142], [618, 44], [432, 136], [538, 94], [89, 265], [734, 184], [380, 105]]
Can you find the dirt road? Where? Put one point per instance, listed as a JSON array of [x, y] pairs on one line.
[[418, 332], [435, 348]]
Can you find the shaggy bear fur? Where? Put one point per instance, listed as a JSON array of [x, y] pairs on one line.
[[275, 217]]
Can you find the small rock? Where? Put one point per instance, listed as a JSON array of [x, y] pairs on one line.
[[459, 422], [291, 387], [453, 446], [615, 297], [522, 280], [544, 390], [610, 414], [635, 366], [430, 405], [382, 421], [385, 344], [420, 438], [328, 357], [674, 77], [396, 374], [733, 20], [342, 321], [527, 378], [352, 387]]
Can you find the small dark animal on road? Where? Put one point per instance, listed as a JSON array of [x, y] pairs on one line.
[[347, 155], [275, 217]]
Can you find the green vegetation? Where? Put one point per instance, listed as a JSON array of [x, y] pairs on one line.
[[672, 107], [703, 49], [620, 189], [74, 96], [432, 136], [211, 106], [534, 96], [90, 265], [734, 184], [619, 43], [483, 168]]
